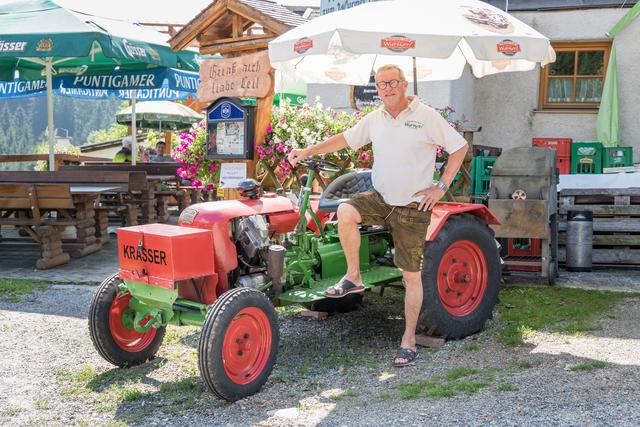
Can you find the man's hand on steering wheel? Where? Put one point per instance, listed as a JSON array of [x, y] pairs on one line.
[[296, 156]]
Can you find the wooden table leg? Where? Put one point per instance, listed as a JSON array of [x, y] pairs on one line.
[[52, 253], [149, 206], [102, 226], [162, 208], [86, 242]]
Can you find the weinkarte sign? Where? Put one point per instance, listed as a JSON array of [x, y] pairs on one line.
[[242, 76]]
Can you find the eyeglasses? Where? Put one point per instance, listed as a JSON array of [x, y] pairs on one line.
[[382, 85]]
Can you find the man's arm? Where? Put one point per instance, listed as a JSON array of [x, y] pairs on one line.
[[431, 195], [453, 165], [330, 145]]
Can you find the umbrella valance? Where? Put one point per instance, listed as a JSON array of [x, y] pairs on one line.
[[77, 43], [436, 38]]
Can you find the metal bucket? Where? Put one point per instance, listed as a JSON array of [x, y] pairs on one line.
[[579, 245]]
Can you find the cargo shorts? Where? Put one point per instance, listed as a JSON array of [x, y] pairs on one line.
[[408, 226]]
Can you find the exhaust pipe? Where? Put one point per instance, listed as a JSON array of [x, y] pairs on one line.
[[275, 267]]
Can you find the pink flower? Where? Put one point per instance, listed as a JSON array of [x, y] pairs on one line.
[[213, 167], [269, 129]]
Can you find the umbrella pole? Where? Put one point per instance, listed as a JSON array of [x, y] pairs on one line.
[[50, 131], [134, 132], [415, 77]]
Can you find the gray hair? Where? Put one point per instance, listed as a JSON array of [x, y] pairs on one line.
[[391, 67]]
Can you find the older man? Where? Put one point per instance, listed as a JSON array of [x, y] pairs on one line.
[[405, 134]]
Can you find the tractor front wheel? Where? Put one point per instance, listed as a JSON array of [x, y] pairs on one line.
[[239, 344], [460, 278], [114, 341]]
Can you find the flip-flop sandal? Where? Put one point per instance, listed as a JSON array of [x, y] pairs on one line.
[[407, 354], [343, 288]]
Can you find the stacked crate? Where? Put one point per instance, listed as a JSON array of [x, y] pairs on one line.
[[586, 157], [524, 249], [563, 151], [481, 177], [617, 157]]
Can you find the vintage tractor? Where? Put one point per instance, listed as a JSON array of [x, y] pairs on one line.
[[227, 264]]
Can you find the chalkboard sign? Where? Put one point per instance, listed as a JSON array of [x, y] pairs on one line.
[[362, 96]]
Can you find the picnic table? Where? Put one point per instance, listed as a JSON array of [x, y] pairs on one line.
[[43, 204]]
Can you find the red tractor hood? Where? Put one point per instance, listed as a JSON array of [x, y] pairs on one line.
[[210, 213]]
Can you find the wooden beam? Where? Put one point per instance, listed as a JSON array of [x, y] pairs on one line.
[[198, 25], [235, 26], [210, 41], [254, 15], [235, 47]]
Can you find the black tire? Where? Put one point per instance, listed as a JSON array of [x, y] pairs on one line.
[[223, 365], [461, 308], [345, 304], [103, 337]]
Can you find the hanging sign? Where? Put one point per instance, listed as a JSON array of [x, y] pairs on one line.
[[242, 76]]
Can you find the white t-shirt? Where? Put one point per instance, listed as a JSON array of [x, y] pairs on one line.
[[404, 149]]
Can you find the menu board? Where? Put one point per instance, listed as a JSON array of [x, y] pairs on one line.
[[229, 131]]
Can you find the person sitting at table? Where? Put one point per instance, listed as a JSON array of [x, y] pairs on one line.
[[124, 155], [160, 155]]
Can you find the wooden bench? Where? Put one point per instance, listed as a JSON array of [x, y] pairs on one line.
[[29, 206], [157, 173], [123, 199]]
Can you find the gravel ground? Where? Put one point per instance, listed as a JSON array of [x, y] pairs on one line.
[[330, 372]]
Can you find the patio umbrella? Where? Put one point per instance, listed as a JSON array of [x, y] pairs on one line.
[[163, 115], [428, 39], [38, 38]]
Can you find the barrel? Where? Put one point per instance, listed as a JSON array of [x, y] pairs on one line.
[[579, 244]]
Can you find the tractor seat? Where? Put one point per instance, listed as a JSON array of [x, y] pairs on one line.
[[343, 188]]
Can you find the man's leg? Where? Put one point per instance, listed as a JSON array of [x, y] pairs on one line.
[[412, 305], [348, 220]]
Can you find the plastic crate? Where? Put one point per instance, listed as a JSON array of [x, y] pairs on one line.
[[481, 168], [586, 157], [524, 247], [563, 151], [486, 150], [617, 157], [561, 145]]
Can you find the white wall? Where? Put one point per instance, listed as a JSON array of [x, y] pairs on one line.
[[506, 104]]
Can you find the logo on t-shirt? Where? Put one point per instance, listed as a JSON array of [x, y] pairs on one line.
[[412, 124]]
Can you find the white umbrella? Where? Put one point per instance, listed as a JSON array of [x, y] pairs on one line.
[[429, 39], [159, 114]]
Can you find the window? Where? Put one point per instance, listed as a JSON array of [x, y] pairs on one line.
[[576, 79]]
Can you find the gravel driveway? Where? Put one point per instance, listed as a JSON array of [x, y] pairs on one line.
[[330, 372]]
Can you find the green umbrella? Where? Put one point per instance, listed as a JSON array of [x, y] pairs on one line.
[[162, 115], [39, 38]]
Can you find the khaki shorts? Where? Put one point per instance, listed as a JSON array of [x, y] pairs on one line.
[[408, 227]]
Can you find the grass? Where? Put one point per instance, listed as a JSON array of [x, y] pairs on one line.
[[43, 404], [507, 387], [589, 366], [455, 382], [11, 411], [14, 290], [471, 347], [568, 310]]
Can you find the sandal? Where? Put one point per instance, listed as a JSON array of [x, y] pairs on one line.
[[407, 354], [342, 288]]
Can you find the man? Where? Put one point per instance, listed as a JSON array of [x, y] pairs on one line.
[[124, 155], [405, 134], [160, 155]]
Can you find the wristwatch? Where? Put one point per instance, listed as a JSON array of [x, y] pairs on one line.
[[441, 185]]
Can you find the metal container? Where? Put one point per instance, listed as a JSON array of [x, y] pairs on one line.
[[579, 244]]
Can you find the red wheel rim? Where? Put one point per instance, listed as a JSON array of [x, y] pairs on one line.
[[129, 340], [462, 278], [247, 345]]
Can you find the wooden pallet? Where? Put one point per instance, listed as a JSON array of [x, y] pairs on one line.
[[616, 223]]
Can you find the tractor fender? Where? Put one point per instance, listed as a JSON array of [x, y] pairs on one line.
[[442, 211]]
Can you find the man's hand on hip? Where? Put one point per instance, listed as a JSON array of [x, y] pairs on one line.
[[295, 156], [430, 196]]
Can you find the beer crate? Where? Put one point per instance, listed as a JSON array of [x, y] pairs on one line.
[[586, 157], [617, 157], [563, 151]]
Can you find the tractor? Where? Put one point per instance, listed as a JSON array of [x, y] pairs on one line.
[[228, 263]]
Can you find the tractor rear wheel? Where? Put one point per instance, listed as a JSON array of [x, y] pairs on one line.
[[116, 343], [239, 344], [460, 278]]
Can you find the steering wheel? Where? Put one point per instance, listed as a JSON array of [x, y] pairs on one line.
[[320, 165]]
